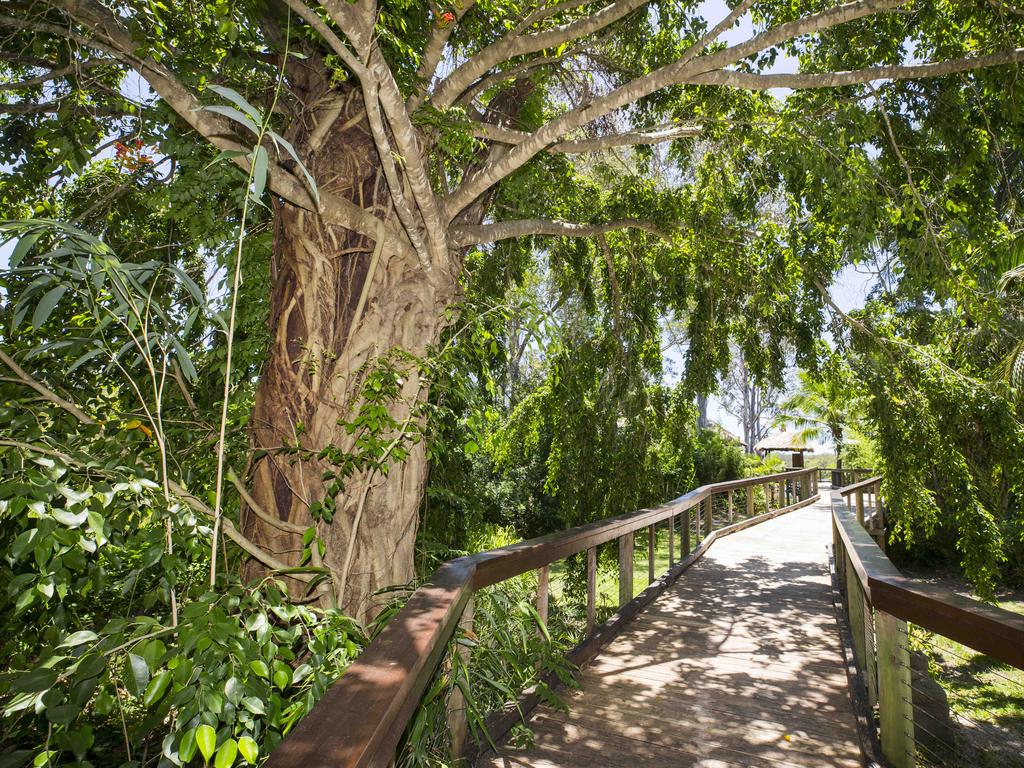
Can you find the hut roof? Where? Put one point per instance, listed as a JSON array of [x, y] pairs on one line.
[[783, 441]]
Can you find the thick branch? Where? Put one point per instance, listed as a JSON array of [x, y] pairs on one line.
[[114, 39], [680, 72], [434, 51], [751, 81], [513, 45], [503, 230], [657, 135]]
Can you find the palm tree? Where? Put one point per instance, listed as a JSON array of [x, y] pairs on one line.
[[820, 407]]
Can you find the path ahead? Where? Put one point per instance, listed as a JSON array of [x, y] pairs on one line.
[[737, 664]]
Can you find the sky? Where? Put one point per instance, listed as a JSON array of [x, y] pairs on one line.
[[849, 290]]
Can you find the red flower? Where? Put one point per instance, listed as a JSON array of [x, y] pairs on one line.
[[447, 18]]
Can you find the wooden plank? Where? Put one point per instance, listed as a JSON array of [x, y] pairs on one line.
[[625, 568], [731, 512], [713, 672], [895, 708], [591, 588], [671, 540], [987, 629], [650, 554], [686, 533], [543, 581], [750, 502]]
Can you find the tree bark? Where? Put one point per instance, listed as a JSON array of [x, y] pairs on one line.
[[327, 337]]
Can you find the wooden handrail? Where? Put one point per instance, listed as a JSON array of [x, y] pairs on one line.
[[360, 720], [860, 485], [987, 629]]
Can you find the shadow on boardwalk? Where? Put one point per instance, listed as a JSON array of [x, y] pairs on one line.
[[737, 664]]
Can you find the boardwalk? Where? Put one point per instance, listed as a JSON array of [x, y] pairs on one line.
[[737, 664]]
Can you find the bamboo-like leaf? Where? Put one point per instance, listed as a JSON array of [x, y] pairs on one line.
[[233, 114], [238, 100], [46, 305]]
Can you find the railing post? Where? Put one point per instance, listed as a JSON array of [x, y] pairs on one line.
[[543, 584], [458, 723], [650, 554], [709, 516], [768, 497], [625, 568], [895, 700], [686, 534], [591, 588], [731, 513], [750, 501], [860, 507], [782, 495], [855, 609], [671, 541]]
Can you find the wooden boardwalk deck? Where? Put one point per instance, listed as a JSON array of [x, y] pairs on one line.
[[737, 664]]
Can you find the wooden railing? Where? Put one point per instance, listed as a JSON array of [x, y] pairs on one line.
[[845, 476], [879, 604], [361, 718]]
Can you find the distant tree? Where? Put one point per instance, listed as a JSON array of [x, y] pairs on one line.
[[753, 403], [822, 407]]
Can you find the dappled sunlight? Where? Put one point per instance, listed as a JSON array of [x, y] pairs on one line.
[[737, 664]]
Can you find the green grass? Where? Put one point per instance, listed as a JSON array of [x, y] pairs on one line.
[[986, 699]]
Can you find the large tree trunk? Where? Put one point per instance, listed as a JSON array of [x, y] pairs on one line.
[[312, 385]]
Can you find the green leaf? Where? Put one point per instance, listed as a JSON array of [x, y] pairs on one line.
[[254, 705], [34, 681], [233, 114], [22, 248], [187, 747], [137, 674], [78, 638], [157, 687], [206, 740], [249, 749], [260, 668], [46, 305], [62, 714], [226, 754], [259, 174], [238, 100]]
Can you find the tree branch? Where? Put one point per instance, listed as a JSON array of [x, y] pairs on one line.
[[53, 74], [756, 82], [512, 45], [680, 72], [656, 135], [503, 230]]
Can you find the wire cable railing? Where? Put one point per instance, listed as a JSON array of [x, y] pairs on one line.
[[942, 675]]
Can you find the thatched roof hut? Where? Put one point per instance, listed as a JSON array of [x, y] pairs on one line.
[[785, 442]]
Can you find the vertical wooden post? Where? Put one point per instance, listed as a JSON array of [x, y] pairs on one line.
[[782, 494], [625, 568], [650, 554], [458, 723], [750, 501], [543, 583], [686, 534], [731, 513], [671, 541], [855, 609], [870, 662], [838, 556], [860, 507], [895, 701], [709, 521], [591, 588]]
